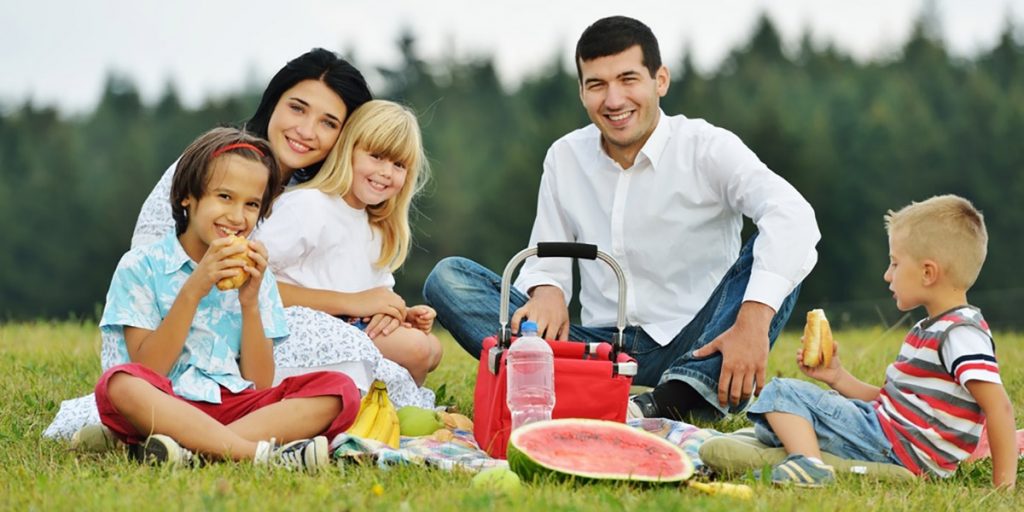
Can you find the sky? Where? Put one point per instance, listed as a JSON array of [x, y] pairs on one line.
[[59, 52]]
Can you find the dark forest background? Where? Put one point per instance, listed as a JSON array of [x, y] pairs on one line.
[[855, 138]]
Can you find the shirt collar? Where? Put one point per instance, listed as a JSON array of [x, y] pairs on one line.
[[655, 145], [658, 141], [175, 257]]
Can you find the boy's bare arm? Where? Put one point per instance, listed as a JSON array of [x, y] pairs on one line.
[[160, 349], [1000, 423]]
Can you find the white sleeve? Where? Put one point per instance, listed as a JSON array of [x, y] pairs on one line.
[[155, 218], [969, 355], [290, 232], [784, 252], [548, 226]]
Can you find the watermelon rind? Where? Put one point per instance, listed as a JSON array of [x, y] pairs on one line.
[[529, 468]]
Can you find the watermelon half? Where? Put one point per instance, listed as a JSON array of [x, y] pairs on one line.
[[595, 450]]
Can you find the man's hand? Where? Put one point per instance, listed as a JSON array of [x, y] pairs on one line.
[[744, 349], [547, 308]]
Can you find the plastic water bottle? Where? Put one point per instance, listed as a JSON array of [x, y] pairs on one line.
[[531, 377]]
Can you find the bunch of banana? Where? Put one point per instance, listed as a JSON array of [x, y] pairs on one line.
[[377, 418]]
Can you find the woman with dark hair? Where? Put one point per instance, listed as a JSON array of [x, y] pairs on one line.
[[301, 114]]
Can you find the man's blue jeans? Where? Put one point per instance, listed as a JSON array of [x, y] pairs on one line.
[[467, 297]]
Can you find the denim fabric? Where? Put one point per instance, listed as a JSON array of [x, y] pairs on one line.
[[467, 295], [845, 427]]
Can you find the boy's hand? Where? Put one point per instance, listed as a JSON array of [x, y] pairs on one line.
[[421, 317], [215, 265], [827, 374], [248, 293]]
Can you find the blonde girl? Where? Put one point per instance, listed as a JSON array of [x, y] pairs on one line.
[[337, 238]]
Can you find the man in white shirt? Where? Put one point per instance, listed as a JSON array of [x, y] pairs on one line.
[[665, 196]]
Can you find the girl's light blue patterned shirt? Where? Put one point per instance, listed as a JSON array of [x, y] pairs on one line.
[[145, 284]]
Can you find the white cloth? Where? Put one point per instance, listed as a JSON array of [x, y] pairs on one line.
[[672, 221], [316, 240]]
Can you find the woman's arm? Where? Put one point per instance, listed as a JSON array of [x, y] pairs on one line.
[[380, 300], [155, 219]]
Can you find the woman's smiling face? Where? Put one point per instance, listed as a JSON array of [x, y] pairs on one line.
[[305, 125]]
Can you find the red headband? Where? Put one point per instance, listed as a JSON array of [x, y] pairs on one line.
[[237, 145]]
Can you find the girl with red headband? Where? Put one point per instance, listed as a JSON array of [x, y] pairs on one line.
[[193, 362]]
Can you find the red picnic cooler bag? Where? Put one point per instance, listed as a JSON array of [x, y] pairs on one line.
[[592, 380]]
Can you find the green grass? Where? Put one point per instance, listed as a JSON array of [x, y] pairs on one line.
[[44, 363]]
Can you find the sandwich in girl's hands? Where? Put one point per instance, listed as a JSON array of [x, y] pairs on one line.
[[231, 283]]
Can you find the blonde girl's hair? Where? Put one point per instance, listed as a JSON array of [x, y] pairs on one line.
[[391, 131], [946, 229]]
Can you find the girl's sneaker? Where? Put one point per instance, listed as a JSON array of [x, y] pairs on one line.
[[802, 472], [95, 438], [160, 449], [304, 454]]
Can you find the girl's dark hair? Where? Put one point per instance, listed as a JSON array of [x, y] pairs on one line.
[[614, 35], [317, 64], [192, 175]]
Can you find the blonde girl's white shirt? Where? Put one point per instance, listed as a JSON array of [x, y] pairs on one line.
[[316, 240], [672, 221]]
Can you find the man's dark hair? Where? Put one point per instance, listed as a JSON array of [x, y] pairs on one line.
[[616, 34]]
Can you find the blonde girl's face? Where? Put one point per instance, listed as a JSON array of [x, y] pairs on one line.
[[305, 124], [375, 179]]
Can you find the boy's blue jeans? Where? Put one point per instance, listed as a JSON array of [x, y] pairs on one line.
[[844, 427], [467, 297]]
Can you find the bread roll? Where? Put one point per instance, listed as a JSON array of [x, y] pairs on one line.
[[231, 283], [818, 344]]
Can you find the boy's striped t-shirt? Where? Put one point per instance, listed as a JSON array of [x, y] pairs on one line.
[[924, 407]]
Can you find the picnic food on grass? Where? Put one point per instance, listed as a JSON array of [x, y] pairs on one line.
[[417, 421], [598, 450], [498, 479], [377, 418], [231, 283], [818, 344]]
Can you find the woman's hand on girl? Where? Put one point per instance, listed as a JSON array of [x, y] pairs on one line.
[[379, 301], [381, 325]]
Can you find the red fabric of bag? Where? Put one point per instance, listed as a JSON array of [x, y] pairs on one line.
[[585, 387]]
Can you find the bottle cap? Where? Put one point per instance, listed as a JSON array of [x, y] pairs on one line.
[[528, 326]]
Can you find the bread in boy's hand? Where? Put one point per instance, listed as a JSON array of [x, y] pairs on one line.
[[818, 344], [230, 283]]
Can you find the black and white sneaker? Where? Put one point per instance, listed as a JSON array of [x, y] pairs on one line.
[[642, 406], [161, 449], [304, 454]]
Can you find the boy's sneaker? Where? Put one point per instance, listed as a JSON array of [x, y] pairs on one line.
[[642, 406], [96, 438], [802, 472], [160, 449], [304, 454]]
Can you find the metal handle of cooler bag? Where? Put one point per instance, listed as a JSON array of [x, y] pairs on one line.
[[559, 250]]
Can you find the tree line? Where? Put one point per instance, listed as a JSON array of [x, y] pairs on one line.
[[856, 138]]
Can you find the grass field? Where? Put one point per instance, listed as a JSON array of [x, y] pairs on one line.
[[44, 363]]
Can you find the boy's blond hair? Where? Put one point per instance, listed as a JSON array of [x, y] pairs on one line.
[[947, 230], [392, 131]]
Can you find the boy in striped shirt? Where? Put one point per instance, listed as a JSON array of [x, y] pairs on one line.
[[941, 391]]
